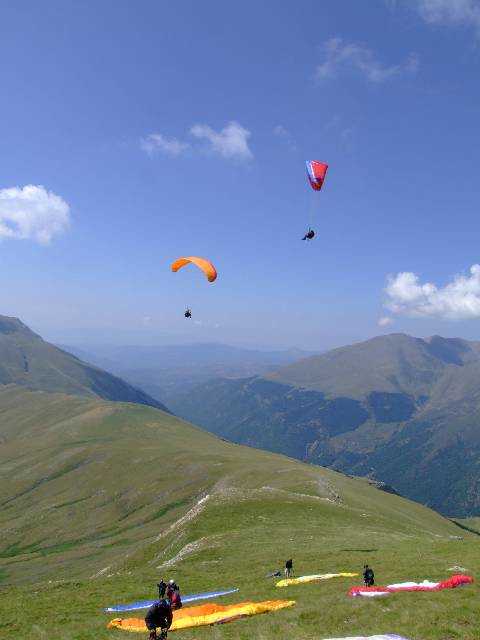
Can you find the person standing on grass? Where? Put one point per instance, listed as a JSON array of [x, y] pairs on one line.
[[368, 576], [162, 587], [289, 568]]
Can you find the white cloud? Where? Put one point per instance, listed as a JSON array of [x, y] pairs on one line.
[[451, 12], [230, 142], [385, 321], [457, 300], [32, 213], [158, 142], [340, 54], [284, 134], [281, 132]]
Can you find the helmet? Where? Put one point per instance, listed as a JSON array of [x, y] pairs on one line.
[[171, 582]]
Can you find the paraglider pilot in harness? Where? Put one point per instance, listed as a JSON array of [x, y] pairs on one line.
[[204, 265], [159, 616], [316, 174], [309, 235]]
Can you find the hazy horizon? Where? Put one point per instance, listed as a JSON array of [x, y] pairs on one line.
[[77, 337]]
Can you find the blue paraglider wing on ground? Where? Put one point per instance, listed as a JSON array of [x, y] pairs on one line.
[[144, 604]]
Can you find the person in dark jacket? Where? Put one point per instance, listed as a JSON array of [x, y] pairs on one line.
[[288, 568], [162, 587], [159, 616], [368, 576]]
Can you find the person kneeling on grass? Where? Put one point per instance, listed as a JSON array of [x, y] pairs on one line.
[[159, 616]]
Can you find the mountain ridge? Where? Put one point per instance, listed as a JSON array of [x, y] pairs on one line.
[[402, 410], [74, 453], [29, 361]]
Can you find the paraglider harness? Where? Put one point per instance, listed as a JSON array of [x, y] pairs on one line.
[[188, 313], [309, 235]]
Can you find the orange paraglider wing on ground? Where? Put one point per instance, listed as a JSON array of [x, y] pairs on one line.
[[205, 614], [202, 263]]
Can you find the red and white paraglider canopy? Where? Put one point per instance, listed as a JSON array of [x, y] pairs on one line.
[[316, 172]]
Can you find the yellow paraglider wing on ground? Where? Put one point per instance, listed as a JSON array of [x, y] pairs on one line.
[[315, 578], [205, 614], [202, 263]]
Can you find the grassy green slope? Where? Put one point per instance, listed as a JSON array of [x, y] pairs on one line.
[[99, 499]]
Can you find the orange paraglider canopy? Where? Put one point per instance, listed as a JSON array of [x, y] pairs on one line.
[[205, 614], [205, 265]]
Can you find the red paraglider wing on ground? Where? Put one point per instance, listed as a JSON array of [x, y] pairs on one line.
[[451, 583]]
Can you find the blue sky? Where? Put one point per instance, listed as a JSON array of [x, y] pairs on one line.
[[122, 112]]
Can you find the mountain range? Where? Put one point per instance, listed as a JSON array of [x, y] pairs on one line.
[[399, 409]]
